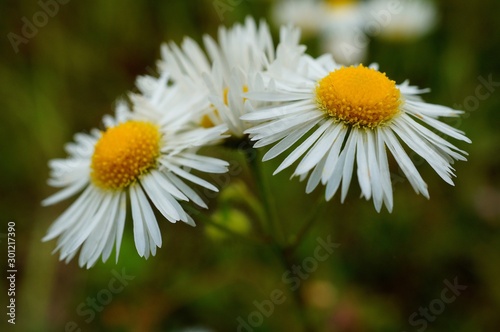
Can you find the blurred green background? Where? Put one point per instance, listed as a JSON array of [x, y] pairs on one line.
[[387, 267]]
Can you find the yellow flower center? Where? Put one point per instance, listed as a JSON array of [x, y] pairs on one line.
[[125, 152], [334, 3], [358, 96]]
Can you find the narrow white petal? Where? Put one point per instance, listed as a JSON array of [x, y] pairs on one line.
[[289, 140], [109, 239], [188, 191], [320, 148], [202, 166], [140, 237], [120, 222], [160, 198], [333, 154], [303, 147], [446, 129], [277, 96], [333, 182], [363, 171], [273, 112], [315, 177], [436, 140], [384, 171], [377, 186], [70, 216], [348, 166], [432, 110], [425, 150], [167, 186], [97, 240], [149, 217], [405, 162], [95, 220], [190, 177], [79, 223], [283, 124], [66, 192]]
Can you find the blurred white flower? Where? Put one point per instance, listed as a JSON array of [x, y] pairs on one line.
[[344, 27], [411, 19]]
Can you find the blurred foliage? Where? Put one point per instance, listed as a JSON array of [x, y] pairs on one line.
[[387, 266]]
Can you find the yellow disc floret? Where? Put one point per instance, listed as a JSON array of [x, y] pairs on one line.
[[359, 96], [335, 3], [125, 152]]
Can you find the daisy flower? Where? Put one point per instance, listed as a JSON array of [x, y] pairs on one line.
[[411, 19], [223, 75], [344, 116], [141, 157], [344, 26], [339, 24]]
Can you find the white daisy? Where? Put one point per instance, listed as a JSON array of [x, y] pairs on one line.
[[142, 155], [409, 19], [351, 114], [344, 27], [223, 75], [339, 24]]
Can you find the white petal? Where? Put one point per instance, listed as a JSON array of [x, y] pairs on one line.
[[348, 166], [333, 154], [315, 177], [190, 193], [320, 149], [289, 140], [120, 222], [149, 217], [66, 192], [377, 186], [140, 237], [167, 186], [190, 177], [404, 162], [303, 147], [363, 171], [163, 201], [384, 171], [333, 182]]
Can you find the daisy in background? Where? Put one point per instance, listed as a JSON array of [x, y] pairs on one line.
[[344, 27], [337, 24], [411, 19], [346, 119], [222, 76], [139, 159]]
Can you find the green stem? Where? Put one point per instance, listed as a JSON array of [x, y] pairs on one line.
[[278, 241], [318, 209], [254, 163]]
